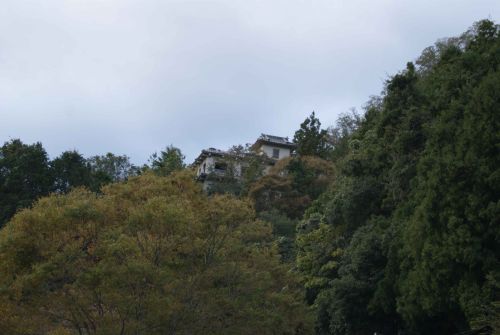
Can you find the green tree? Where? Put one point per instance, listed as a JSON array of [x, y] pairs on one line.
[[339, 134], [310, 139], [167, 161], [284, 232], [406, 237], [450, 240], [71, 170], [24, 176], [115, 167]]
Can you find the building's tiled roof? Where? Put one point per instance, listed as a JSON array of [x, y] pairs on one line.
[[274, 140], [207, 153], [217, 153]]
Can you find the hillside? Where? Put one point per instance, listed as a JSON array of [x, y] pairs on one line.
[[387, 222]]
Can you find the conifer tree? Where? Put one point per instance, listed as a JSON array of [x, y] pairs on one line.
[[310, 139]]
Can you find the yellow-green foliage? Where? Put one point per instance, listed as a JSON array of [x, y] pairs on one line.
[[152, 255]]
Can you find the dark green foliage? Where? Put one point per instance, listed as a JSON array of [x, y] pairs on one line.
[[350, 294], [282, 225], [70, 170], [284, 230], [406, 239], [457, 190], [24, 176], [310, 139]]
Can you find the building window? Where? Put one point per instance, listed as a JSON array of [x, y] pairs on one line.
[[276, 153], [220, 166]]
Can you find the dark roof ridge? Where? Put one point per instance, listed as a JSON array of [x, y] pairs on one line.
[[275, 139]]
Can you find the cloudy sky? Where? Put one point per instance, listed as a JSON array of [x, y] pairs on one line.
[[132, 76]]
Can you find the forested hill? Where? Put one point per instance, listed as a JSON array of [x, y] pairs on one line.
[[407, 237], [387, 222]]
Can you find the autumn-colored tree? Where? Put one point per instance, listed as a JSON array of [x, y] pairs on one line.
[[291, 185], [151, 255]]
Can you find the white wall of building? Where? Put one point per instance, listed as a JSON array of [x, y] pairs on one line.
[[208, 166], [268, 150]]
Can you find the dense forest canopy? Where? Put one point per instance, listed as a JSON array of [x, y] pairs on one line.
[[407, 237], [153, 255], [387, 222]]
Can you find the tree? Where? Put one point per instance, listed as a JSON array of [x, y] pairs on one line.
[[167, 161], [151, 255], [405, 240], [338, 135], [291, 185], [349, 295], [310, 139], [71, 170], [24, 176], [454, 262], [115, 167]]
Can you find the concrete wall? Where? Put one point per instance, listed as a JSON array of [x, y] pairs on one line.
[[268, 150], [209, 164]]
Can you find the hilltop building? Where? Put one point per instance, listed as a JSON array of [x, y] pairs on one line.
[[274, 147], [214, 163]]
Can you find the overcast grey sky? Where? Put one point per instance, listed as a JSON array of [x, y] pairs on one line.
[[131, 77]]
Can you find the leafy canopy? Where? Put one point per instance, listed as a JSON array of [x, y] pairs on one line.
[[151, 255], [405, 240]]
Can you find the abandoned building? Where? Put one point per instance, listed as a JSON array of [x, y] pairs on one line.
[[274, 147], [214, 163]]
